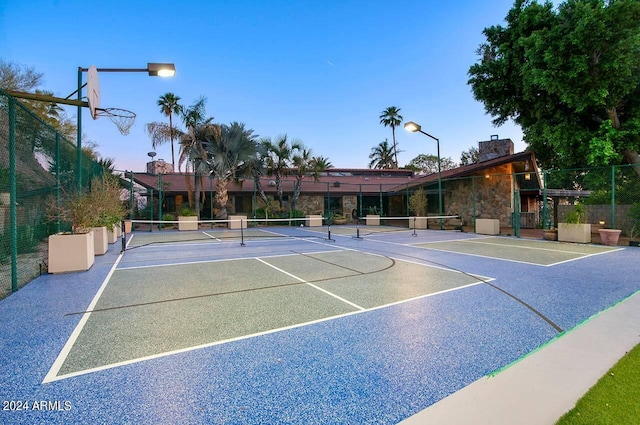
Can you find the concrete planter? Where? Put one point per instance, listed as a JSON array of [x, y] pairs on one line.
[[419, 223], [112, 234], [100, 241], [487, 226], [71, 253], [313, 221], [550, 235], [579, 233], [127, 226], [237, 221], [372, 220], [187, 222], [609, 236]]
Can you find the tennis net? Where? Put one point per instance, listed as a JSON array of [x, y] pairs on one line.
[[375, 225], [234, 229]]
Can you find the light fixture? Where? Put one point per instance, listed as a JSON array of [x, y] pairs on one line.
[[161, 69], [412, 126]]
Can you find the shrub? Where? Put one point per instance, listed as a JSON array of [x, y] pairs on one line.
[[578, 215], [186, 211]]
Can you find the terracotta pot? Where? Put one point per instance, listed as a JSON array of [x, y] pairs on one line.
[[609, 236]]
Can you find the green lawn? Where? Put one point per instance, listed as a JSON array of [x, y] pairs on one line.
[[614, 399]]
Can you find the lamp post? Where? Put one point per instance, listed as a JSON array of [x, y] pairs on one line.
[[415, 127], [153, 69]]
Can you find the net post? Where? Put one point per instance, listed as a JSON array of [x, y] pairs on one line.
[[357, 236], [242, 232], [123, 236], [414, 227], [329, 230]]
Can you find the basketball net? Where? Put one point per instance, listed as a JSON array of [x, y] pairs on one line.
[[122, 118]]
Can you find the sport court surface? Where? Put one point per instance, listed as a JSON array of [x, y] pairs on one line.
[[298, 330]]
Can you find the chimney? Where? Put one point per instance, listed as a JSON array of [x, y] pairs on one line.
[[494, 148], [159, 166]]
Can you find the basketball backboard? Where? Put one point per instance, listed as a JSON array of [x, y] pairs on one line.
[[93, 91]]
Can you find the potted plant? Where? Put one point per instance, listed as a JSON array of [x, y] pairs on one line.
[[339, 219], [74, 250], [575, 227], [188, 219], [418, 204]]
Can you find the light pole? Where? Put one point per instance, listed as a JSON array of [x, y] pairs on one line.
[[153, 69], [415, 127]]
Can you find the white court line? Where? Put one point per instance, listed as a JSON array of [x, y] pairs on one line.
[[243, 337], [584, 256], [182, 263], [527, 247], [462, 253], [211, 236], [57, 364], [313, 286]]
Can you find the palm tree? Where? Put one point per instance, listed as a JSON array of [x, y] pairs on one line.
[[320, 163], [169, 105], [229, 150], [279, 160], [391, 117], [381, 156], [304, 165], [191, 147]]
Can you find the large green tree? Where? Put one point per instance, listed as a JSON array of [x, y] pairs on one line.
[[569, 76], [428, 164], [391, 117]]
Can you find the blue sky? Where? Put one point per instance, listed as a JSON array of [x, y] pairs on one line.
[[319, 71]]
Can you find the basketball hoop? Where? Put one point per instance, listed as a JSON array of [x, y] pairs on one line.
[[122, 118]]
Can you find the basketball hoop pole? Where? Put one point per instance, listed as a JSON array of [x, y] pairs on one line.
[[153, 69]]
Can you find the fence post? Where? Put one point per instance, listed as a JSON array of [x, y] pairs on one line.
[[130, 195], [544, 200], [57, 170], [13, 219], [474, 196], [613, 197], [160, 200]]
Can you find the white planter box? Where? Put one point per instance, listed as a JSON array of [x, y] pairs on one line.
[[372, 220], [100, 243], [313, 221], [112, 234], [487, 226], [71, 253], [187, 222], [569, 232], [235, 221], [420, 223]]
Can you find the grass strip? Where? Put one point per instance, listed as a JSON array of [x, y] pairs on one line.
[[613, 400]]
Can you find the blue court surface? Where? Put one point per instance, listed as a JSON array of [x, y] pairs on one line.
[[309, 330]]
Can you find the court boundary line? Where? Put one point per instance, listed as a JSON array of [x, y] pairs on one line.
[[250, 336], [66, 349], [312, 285], [183, 263]]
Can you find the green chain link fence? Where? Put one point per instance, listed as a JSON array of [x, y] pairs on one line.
[[37, 167]]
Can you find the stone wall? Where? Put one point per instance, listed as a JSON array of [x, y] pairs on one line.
[[311, 204], [493, 196]]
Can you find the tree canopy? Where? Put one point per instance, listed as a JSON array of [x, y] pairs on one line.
[[569, 76]]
